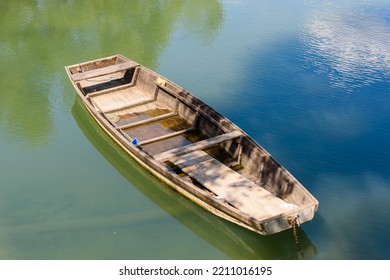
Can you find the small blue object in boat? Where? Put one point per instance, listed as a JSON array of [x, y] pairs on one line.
[[135, 141]]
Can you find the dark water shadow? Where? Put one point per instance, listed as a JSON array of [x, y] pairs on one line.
[[233, 240]]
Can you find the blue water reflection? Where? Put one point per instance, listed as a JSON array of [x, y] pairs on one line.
[[319, 101], [352, 45]]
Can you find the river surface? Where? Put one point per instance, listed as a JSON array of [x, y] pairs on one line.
[[308, 80]]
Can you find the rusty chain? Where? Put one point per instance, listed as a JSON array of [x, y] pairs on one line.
[[295, 224]]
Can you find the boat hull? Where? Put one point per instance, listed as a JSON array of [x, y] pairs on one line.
[[101, 83]]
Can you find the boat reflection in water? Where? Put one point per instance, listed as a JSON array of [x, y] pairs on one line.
[[234, 241]]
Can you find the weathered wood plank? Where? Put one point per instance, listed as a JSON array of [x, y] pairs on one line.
[[204, 144], [229, 185], [121, 99], [105, 91], [149, 120], [166, 136], [103, 71], [128, 106]]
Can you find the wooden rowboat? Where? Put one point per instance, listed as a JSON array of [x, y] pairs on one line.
[[189, 146], [230, 239]]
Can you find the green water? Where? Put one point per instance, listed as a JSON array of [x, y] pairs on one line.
[[281, 70]]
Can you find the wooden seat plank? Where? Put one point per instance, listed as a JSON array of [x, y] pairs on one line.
[[203, 144], [166, 136], [240, 192], [148, 120], [104, 71], [121, 99]]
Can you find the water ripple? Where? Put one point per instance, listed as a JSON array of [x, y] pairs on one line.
[[352, 48]]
